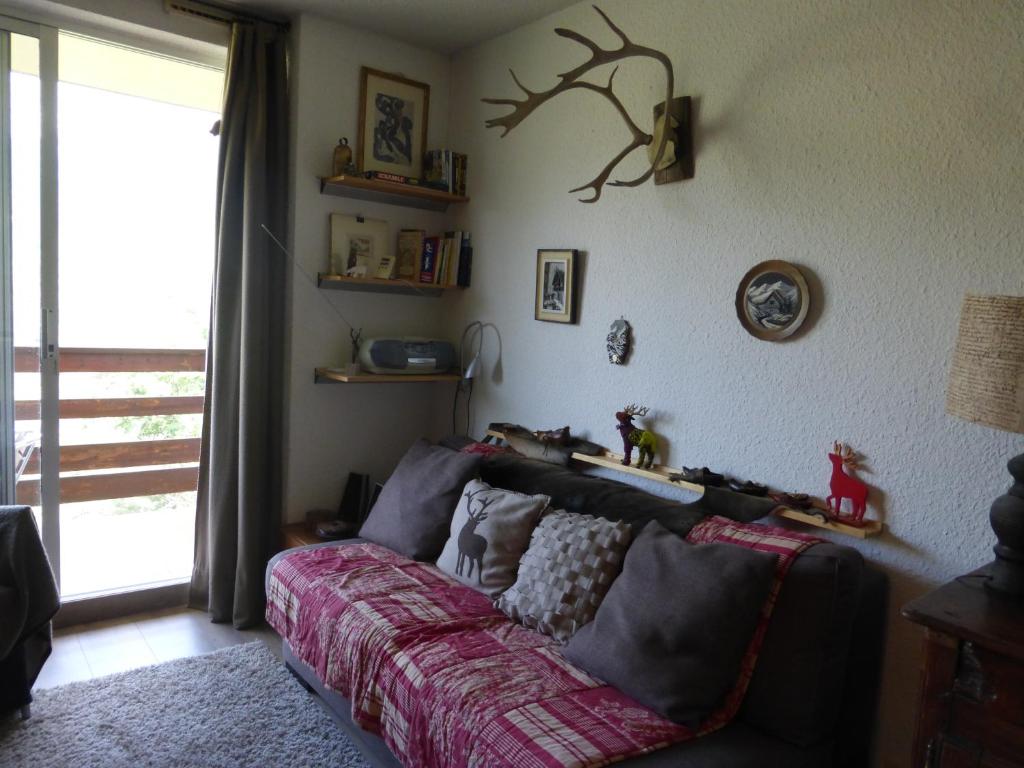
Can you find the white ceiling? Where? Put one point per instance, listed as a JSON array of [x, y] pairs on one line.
[[445, 26]]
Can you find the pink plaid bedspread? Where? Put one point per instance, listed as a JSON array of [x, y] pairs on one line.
[[448, 680]]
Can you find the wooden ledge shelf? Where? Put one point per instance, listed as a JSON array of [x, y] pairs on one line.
[[660, 473], [327, 375], [870, 529], [378, 285], [376, 191]]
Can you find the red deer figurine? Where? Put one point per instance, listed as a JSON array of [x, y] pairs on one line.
[[844, 486]]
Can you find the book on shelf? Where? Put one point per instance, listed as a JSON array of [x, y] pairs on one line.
[[445, 170], [455, 259], [394, 178], [464, 272], [445, 260], [428, 261], [410, 252]]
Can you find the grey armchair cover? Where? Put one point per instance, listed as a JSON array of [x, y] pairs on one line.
[[28, 601]]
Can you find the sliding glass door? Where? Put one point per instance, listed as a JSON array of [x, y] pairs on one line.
[[102, 428], [29, 466], [138, 170]]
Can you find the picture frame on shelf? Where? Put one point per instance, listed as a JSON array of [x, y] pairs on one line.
[[357, 245], [772, 300], [555, 297], [393, 114], [386, 268]]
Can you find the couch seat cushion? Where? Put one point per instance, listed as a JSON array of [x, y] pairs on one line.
[[440, 674]]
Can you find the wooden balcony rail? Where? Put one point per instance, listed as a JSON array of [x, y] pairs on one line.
[[119, 485], [28, 410], [115, 360], [145, 453], [140, 453]]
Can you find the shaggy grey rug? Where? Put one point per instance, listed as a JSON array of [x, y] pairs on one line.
[[238, 706]]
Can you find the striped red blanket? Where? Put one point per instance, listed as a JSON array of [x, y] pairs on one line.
[[448, 680]]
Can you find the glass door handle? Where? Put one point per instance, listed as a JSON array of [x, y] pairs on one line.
[[47, 348]]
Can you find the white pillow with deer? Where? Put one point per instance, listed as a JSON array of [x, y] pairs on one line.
[[490, 532]]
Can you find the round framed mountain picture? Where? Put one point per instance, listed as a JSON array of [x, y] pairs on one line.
[[772, 300]]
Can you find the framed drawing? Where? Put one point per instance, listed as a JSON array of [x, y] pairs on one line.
[[772, 300], [555, 300], [357, 245], [392, 123]]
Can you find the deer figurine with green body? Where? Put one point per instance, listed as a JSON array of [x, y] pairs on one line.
[[632, 435]]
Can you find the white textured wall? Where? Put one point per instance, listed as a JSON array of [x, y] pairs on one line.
[[337, 428], [876, 144]]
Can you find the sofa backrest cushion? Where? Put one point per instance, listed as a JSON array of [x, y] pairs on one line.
[[414, 510], [489, 532], [590, 495], [587, 495], [675, 625]]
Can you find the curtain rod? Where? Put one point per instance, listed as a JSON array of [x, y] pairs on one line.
[[220, 14]]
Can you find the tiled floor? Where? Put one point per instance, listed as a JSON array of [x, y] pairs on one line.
[[94, 650]]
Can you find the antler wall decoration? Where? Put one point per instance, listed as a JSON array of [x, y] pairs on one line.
[[671, 157]]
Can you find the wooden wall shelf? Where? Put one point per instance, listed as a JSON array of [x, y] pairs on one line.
[[327, 375], [659, 474], [376, 191], [378, 285]]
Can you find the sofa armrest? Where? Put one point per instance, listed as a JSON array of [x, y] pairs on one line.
[[799, 685]]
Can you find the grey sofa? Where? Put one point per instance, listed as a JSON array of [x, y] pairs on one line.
[[812, 699]]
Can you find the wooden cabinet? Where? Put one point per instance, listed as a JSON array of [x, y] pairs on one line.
[[297, 535], [971, 704]]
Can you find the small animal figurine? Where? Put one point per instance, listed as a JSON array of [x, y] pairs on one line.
[[845, 486], [619, 341], [633, 435], [553, 436]]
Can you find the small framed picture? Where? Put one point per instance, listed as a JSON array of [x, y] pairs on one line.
[[555, 301], [357, 245], [392, 123], [772, 300]]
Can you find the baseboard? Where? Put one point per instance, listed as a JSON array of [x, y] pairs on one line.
[[87, 610]]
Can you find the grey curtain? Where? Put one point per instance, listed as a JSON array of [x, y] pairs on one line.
[[239, 501]]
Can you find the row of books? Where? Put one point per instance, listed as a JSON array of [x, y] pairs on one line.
[[445, 170], [435, 260]]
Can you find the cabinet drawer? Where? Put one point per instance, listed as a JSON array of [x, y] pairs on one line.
[[991, 681], [987, 706], [950, 754]]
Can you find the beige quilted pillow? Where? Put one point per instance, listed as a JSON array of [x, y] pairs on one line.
[[566, 572]]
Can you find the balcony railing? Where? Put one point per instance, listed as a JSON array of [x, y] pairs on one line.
[[127, 455]]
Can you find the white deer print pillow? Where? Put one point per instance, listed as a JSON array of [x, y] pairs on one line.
[[490, 531]]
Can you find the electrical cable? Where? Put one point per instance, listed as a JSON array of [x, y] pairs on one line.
[[468, 372], [312, 281], [455, 406]]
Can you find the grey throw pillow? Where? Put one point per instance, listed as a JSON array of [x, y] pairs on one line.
[[414, 510], [566, 572], [489, 533], [676, 623]]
